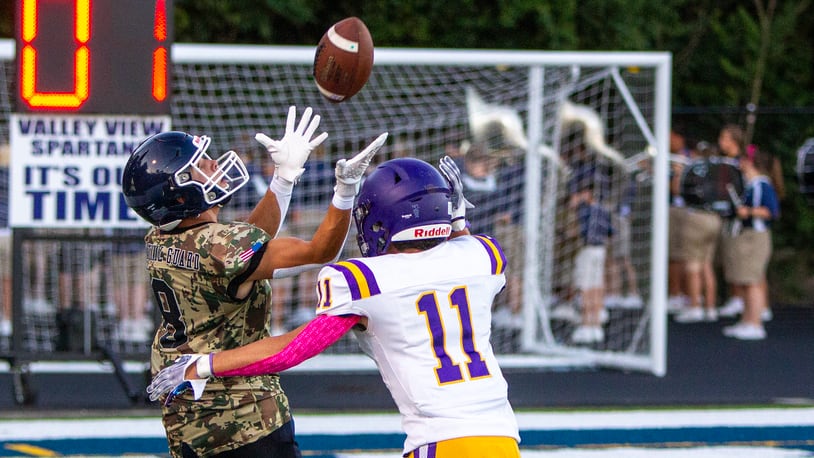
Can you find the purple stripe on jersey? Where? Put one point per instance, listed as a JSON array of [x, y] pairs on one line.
[[371, 279], [425, 451], [496, 255], [355, 293], [359, 277]]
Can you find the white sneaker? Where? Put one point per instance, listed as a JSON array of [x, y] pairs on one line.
[[565, 312], [517, 320], [599, 333], [135, 329], [38, 306], [612, 301], [587, 334], [710, 315], [5, 328], [500, 318], [604, 316], [146, 327], [632, 301], [732, 307], [126, 327], [766, 315], [676, 304], [729, 331], [690, 315], [504, 318], [745, 331], [109, 308]]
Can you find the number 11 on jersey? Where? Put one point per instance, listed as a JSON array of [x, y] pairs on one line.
[[447, 370]]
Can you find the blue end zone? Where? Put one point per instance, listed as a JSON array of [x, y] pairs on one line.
[[763, 429]]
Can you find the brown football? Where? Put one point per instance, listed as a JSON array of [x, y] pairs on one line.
[[343, 60]]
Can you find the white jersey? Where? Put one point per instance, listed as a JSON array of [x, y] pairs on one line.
[[429, 323]]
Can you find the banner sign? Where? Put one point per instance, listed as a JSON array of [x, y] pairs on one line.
[[66, 169]]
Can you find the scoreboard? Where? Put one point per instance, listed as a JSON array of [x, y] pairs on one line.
[[93, 56], [93, 80]]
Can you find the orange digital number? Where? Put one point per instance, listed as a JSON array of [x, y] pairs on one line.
[[73, 100], [81, 68], [160, 53]]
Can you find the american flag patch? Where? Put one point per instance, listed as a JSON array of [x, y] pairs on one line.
[[246, 255]]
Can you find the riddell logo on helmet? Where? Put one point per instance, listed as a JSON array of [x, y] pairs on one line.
[[430, 231], [435, 231]]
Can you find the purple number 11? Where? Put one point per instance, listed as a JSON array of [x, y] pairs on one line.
[[447, 370]]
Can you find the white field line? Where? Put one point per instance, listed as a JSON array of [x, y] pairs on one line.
[[341, 424]]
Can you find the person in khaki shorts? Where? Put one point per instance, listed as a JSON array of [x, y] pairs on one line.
[[677, 257], [700, 236], [703, 223], [679, 157], [595, 230], [746, 262]]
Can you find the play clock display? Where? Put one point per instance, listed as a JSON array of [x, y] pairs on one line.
[[92, 82], [93, 56]]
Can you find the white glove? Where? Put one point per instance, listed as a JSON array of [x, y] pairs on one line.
[[459, 203], [349, 172], [291, 152], [172, 380]]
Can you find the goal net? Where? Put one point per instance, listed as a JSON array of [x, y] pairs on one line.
[[529, 129]]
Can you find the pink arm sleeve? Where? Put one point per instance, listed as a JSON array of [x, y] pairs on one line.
[[318, 335]]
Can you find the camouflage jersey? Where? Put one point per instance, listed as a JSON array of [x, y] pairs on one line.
[[194, 274]]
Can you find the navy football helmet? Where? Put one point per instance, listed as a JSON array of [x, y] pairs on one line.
[[164, 184], [402, 199]]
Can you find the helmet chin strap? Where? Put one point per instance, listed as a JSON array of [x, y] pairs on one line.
[[170, 226]]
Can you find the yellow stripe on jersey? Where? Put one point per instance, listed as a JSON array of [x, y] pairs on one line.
[[360, 279], [495, 253]]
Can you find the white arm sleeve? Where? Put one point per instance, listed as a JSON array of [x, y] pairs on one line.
[[281, 188]]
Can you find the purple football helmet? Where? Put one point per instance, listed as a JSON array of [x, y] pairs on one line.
[[403, 199]]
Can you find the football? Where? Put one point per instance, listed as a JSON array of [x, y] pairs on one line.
[[343, 60]]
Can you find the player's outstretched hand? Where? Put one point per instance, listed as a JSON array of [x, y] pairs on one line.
[[172, 380], [291, 152], [452, 173], [349, 172]]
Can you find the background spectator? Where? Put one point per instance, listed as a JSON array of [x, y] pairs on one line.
[[594, 225], [679, 157], [622, 284], [730, 144], [752, 248], [700, 239]]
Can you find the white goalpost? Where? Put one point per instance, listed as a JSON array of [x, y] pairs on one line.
[[535, 125]]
